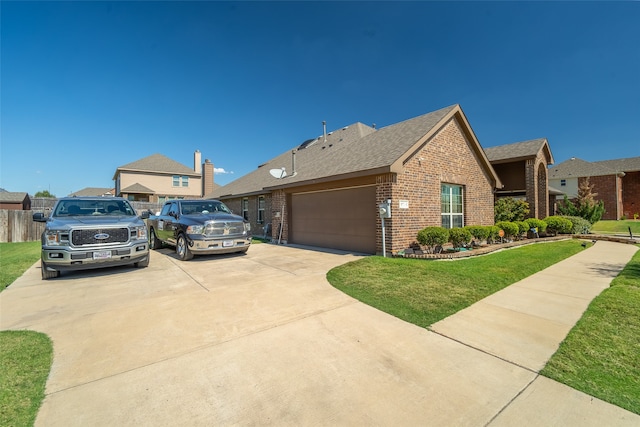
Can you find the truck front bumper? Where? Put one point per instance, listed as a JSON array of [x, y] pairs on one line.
[[218, 246], [67, 258]]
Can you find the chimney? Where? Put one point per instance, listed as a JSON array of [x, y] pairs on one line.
[[207, 177], [197, 161]]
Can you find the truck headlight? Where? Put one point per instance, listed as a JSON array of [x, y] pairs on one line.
[[195, 229], [52, 238], [141, 232], [247, 227]]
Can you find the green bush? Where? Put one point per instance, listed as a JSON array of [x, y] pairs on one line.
[[459, 237], [493, 234], [510, 228], [523, 227], [579, 225], [432, 236], [479, 232], [510, 209], [538, 224], [558, 224]]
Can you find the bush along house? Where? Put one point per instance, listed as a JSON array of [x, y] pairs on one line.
[[326, 192]]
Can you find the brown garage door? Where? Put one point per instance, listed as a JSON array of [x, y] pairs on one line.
[[339, 219]]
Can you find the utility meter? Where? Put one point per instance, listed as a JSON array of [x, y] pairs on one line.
[[385, 209]]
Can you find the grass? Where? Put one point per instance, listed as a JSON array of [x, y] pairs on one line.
[[617, 227], [601, 354], [25, 361], [25, 356], [423, 292], [15, 258]]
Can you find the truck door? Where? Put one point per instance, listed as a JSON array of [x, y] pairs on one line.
[[166, 225]]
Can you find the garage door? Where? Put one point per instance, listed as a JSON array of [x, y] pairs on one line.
[[339, 219]]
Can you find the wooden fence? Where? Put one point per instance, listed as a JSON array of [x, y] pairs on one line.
[[18, 225]]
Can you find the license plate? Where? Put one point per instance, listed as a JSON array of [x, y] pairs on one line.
[[227, 243], [101, 254]]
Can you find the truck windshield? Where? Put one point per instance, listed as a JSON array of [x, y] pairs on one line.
[[106, 206], [203, 207]]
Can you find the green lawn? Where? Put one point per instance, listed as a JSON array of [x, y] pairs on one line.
[[425, 291], [25, 361], [15, 258], [25, 356], [601, 354], [617, 227]]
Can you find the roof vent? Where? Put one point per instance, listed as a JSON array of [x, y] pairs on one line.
[[345, 128]]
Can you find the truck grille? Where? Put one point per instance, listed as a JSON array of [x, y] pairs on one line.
[[221, 229], [88, 236]]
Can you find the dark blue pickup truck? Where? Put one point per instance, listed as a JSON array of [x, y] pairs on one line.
[[196, 227]]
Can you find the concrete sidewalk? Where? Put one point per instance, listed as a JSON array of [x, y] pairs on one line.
[[263, 339]]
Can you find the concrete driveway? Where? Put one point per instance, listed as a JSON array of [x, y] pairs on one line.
[[256, 339]]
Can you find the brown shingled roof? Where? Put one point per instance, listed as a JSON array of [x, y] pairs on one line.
[[578, 168], [157, 163], [352, 151], [137, 188], [518, 150], [631, 164]]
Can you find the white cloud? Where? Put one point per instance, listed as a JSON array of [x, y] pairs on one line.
[[221, 171]]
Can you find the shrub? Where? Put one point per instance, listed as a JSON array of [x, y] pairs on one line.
[[510, 228], [510, 209], [433, 236], [579, 225], [584, 205], [558, 224], [538, 224], [479, 232], [493, 233], [459, 237], [523, 227]]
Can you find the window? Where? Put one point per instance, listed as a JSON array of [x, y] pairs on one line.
[[176, 180], [451, 201], [260, 209], [563, 182], [245, 208], [185, 181]]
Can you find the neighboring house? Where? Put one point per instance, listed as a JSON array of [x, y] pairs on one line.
[[15, 201], [157, 178], [617, 183], [522, 168], [93, 191], [431, 167]]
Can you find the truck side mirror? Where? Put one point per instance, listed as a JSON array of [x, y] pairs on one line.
[[39, 217]]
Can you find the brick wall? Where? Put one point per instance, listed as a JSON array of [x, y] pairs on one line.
[[257, 228], [605, 186], [630, 184], [446, 158]]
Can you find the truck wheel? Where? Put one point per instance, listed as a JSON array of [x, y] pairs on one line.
[[48, 274], [144, 263], [154, 242], [182, 248]]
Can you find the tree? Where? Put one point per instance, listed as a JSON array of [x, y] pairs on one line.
[[44, 193], [585, 204], [510, 209]]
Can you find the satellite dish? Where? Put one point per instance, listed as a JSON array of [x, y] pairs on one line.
[[278, 173]]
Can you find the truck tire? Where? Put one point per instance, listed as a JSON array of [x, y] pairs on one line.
[[48, 274], [144, 263], [154, 242], [182, 248]]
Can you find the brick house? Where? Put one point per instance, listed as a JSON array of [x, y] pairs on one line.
[[157, 178], [522, 168], [326, 192], [617, 183]]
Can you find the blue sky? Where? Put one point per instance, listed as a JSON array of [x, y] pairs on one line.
[[90, 86]]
